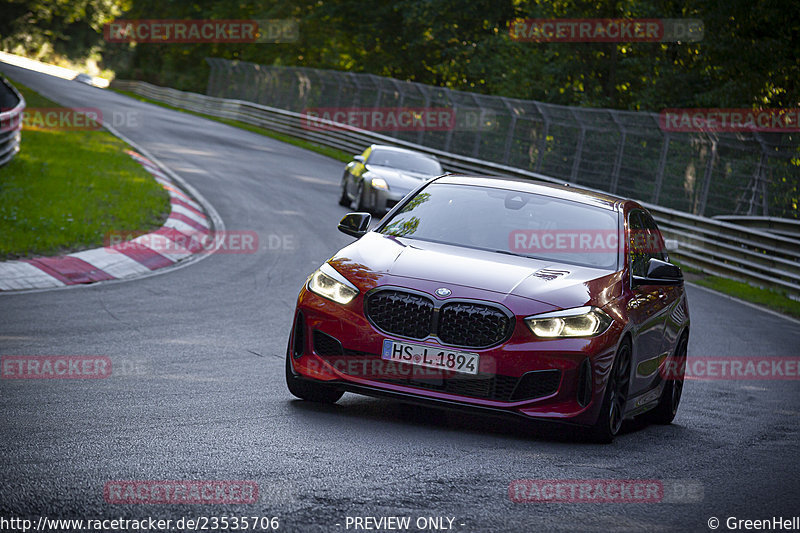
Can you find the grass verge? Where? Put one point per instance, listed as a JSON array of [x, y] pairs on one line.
[[769, 298], [333, 153], [67, 189]]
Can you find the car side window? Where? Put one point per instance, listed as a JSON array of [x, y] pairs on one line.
[[655, 243], [638, 244]]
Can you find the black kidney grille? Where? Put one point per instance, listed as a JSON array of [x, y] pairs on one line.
[[473, 325], [401, 313]]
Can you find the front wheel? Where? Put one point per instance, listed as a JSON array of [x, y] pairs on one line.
[[358, 201], [309, 390], [343, 199], [613, 410], [664, 413]]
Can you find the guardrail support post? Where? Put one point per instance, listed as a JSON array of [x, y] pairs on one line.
[[707, 177]]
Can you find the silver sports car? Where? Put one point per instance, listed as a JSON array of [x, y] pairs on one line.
[[382, 175]]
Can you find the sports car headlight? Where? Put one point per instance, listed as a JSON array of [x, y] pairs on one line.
[[380, 183], [579, 322], [328, 283]]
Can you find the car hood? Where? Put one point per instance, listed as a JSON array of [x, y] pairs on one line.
[[557, 284], [401, 179]]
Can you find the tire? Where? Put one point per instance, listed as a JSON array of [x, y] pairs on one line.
[[611, 413], [308, 390], [358, 202], [343, 199], [664, 413]]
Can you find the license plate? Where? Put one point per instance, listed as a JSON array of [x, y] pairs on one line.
[[430, 357]]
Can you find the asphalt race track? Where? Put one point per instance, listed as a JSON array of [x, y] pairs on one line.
[[198, 390]]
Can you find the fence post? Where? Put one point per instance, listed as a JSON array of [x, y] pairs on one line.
[[701, 210], [510, 134], [212, 76], [448, 140], [616, 169], [576, 162], [543, 139], [476, 144], [662, 167], [427, 106]]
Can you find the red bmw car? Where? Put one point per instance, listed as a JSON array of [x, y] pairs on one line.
[[500, 295]]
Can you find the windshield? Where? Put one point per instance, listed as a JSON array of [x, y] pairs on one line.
[[405, 161], [511, 222]]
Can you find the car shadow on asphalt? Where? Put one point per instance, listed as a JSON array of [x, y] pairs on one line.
[[401, 414]]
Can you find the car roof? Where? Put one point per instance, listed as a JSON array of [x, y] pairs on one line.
[[388, 148], [564, 192]]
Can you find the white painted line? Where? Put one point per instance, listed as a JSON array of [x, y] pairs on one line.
[[111, 261], [179, 225], [200, 219], [15, 275], [190, 202], [162, 245], [176, 193]]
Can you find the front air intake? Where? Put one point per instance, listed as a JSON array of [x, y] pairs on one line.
[[585, 383], [299, 344]]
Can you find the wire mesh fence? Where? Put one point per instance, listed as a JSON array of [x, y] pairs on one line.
[[623, 152]]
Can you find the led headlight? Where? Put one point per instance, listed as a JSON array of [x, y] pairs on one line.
[[380, 183], [328, 283], [578, 322]]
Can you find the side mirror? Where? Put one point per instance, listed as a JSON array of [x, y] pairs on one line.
[[359, 158], [660, 273], [355, 224]]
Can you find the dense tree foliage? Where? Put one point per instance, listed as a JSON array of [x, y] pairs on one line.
[[748, 57]]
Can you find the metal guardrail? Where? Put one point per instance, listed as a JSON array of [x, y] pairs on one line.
[[717, 247], [12, 104], [627, 153], [781, 226]]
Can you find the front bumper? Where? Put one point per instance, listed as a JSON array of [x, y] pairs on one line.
[[383, 199], [561, 379]]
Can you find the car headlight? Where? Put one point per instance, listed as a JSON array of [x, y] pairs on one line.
[[579, 322], [380, 183], [328, 283]]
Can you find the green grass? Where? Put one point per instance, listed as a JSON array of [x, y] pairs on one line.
[[766, 297], [333, 153], [769, 298], [66, 190]]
